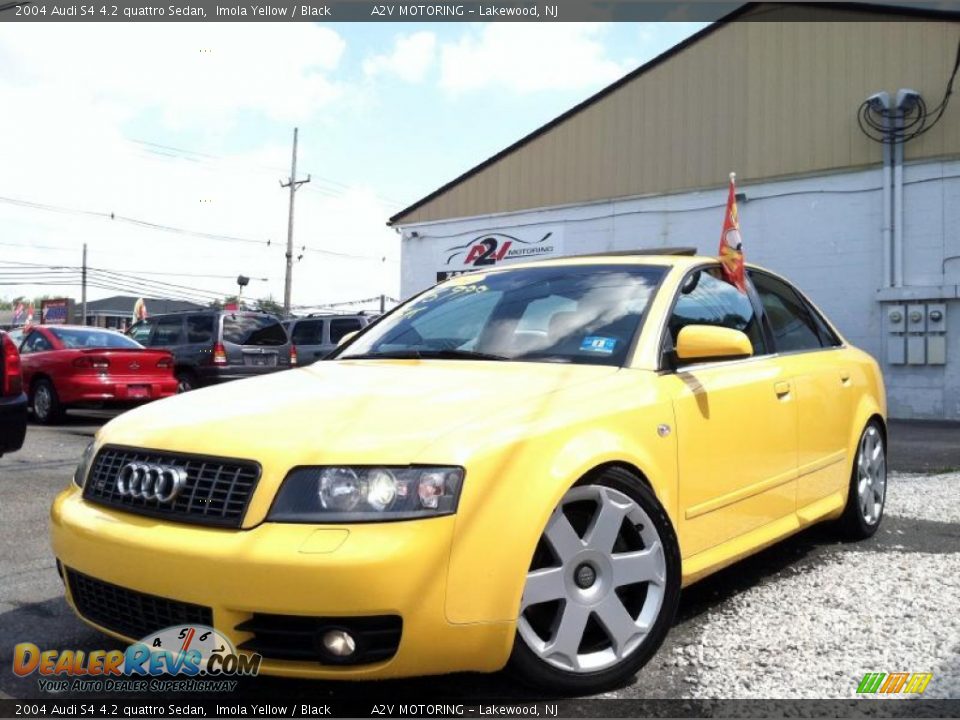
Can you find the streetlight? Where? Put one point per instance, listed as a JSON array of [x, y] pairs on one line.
[[242, 282]]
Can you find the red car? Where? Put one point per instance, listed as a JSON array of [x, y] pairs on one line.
[[64, 366]]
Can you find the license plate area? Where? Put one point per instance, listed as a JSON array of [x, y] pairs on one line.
[[258, 360], [138, 391]]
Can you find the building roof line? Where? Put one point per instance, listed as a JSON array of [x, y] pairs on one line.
[[871, 8]]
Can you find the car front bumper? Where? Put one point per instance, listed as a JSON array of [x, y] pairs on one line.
[[355, 571], [13, 422]]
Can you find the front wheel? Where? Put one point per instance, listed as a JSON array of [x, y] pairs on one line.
[[602, 589], [868, 486]]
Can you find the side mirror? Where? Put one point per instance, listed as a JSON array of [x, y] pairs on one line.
[[346, 338], [704, 343]]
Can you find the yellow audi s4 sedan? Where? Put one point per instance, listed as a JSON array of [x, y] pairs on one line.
[[518, 467]]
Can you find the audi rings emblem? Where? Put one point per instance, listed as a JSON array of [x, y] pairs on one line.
[[147, 481]]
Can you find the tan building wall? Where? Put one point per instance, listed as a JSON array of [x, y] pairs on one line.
[[766, 99]]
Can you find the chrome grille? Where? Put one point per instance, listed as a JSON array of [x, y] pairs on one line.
[[217, 490]]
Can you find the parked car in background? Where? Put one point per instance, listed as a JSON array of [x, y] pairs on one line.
[[13, 401], [214, 346], [316, 336], [66, 366]]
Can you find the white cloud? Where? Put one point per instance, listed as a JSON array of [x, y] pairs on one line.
[[410, 60], [191, 72], [526, 57], [69, 96]]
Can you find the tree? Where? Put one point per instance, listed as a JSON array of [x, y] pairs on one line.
[[269, 305]]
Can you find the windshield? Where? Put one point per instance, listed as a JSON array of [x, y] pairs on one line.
[[253, 330], [78, 338], [579, 314]]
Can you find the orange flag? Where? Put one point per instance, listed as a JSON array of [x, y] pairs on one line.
[[731, 246]]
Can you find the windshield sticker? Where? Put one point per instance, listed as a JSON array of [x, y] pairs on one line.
[[594, 343]]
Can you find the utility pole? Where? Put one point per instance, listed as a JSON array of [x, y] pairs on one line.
[[83, 291], [294, 185]]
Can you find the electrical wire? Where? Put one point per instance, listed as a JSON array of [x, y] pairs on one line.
[[131, 220], [168, 228], [897, 126]]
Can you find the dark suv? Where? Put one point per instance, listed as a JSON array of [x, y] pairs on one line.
[[213, 346], [13, 402]]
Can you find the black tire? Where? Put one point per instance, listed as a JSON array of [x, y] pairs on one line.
[[186, 381], [533, 669], [50, 410], [854, 524]]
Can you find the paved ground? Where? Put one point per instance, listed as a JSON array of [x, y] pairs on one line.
[[925, 446], [805, 618]]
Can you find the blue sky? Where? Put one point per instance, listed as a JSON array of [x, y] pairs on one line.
[[189, 126]]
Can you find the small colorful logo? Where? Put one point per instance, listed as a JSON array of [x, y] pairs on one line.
[[893, 683], [190, 651]]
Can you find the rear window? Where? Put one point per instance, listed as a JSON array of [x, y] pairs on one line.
[[75, 338], [253, 330]]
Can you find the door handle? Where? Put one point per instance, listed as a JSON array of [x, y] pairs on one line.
[[844, 377], [782, 389]]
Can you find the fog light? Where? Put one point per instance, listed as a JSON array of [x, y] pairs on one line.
[[339, 643]]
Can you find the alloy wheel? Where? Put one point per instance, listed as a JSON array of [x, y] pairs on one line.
[[871, 475], [597, 583], [42, 402]]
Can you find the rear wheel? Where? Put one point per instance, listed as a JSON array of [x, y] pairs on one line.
[[186, 381], [602, 589], [868, 485], [47, 409]]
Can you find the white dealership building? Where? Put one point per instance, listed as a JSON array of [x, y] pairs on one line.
[[788, 96]]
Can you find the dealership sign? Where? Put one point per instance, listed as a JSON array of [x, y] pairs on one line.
[[486, 250], [56, 312]]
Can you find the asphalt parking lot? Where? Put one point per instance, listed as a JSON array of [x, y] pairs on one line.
[[805, 618]]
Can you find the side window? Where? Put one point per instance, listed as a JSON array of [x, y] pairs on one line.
[[705, 299], [341, 326], [34, 343], [827, 336], [200, 329], [168, 332], [794, 328], [307, 332], [141, 331]]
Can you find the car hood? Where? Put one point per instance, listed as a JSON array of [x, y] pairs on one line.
[[359, 411]]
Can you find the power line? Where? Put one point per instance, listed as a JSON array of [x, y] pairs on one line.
[[174, 152], [157, 226], [125, 270], [130, 220]]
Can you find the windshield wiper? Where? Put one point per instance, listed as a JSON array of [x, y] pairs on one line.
[[425, 354]]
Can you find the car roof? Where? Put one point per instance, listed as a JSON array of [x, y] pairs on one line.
[[77, 327], [619, 258]]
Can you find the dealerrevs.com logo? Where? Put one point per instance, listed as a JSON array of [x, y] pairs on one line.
[[198, 657]]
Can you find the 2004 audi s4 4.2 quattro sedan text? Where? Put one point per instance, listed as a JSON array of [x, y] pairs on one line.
[[516, 467]]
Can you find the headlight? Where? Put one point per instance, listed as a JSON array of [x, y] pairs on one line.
[[80, 474], [364, 494]]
